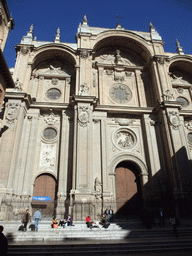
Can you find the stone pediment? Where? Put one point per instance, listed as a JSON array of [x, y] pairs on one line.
[[55, 69], [180, 79]]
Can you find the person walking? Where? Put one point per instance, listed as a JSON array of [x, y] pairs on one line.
[[26, 219], [37, 218], [3, 243]]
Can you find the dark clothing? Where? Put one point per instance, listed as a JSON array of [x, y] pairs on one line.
[[62, 223], [26, 218], [3, 245], [69, 221]]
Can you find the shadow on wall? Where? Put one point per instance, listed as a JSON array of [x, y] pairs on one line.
[[161, 194]]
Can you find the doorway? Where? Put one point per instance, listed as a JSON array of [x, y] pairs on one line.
[[44, 195], [128, 190]]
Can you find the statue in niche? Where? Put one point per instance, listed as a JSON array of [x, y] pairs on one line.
[[97, 188]]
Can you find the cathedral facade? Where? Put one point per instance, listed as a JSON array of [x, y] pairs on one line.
[[103, 122]]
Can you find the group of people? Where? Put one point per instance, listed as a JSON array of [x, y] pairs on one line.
[[63, 222], [106, 218], [27, 218]]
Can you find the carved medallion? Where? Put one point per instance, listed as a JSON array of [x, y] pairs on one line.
[[55, 81], [83, 116], [12, 112], [124, 139], [120, 93], [174, 119]]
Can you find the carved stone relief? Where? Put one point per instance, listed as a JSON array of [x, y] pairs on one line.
[[24, 49], [180, 79], [118, 57], [12, 112], [123, 121], [120, 93], [18, 85], [188, 125], [48, 156], [124, 138], [83, 116], [54, 69], [84, 54], [84, 90], [168, 96], [51, 118], [174, 119], [55, 81]]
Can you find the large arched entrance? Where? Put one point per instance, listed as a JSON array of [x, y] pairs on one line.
[[128, 190], [44, 195]]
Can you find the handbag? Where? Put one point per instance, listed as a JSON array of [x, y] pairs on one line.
[[55, 225]]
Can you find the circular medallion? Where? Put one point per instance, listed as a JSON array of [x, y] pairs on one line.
[[49, 133], [120, 93], [124, 139], [53, 94]]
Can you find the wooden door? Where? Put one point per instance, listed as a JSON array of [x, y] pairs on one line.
[[45, 187], [126, 192]]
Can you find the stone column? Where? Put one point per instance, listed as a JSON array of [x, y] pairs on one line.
[[156, 81], [104, 175], [63, 166], [140, 89], [18, 132], [101, 84], [22, 156], [77, 79], [30, 155]]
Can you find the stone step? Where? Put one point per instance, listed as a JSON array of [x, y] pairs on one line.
[[80, 231], [101, 249]]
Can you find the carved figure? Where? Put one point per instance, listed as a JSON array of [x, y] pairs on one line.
[[84, 90], [18, 85], [168, 96]]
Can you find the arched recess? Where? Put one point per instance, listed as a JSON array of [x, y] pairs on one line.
[[122, 59], [53, 67], [180, 71], [124, 39], [44, 194], [130, 175]]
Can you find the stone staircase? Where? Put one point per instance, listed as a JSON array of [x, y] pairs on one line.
[[129, 236]]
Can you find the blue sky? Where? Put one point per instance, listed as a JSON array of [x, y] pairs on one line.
[[171, 18]]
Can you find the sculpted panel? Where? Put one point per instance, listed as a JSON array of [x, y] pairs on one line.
[[48, 157], [120, 93], [116, 56]]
